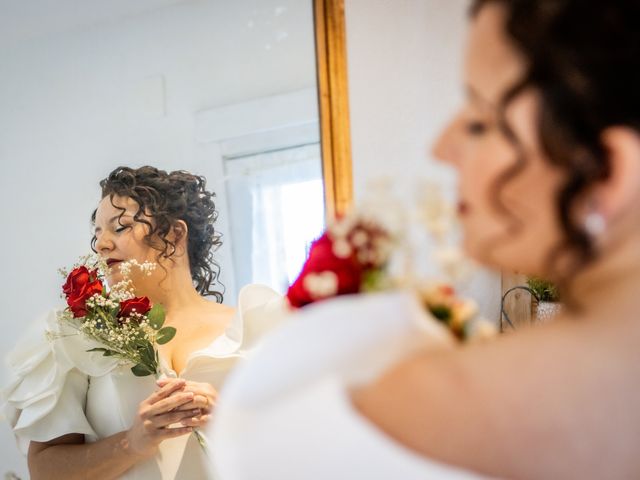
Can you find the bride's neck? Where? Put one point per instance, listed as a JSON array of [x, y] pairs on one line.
[[175, 292], [611, 281]]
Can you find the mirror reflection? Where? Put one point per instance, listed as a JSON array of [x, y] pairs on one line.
[[221, 89]]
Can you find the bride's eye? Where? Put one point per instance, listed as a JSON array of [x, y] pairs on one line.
[[122, 228], [476, 127]]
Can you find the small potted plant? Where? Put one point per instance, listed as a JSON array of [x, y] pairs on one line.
[[548, 303]]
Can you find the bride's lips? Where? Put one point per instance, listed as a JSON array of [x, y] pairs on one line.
[[111, 262]]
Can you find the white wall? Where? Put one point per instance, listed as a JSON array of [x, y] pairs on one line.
[[75, 104], [404, 61]]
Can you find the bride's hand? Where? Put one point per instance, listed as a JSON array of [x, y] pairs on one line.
[[205, 398], [164, 407]]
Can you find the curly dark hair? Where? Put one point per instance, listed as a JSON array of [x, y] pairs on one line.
[[166, 198], [583, 58]]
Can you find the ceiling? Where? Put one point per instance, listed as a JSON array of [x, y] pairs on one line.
[[21, 20], [204, 53]]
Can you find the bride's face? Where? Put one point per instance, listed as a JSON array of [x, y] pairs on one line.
[[506, 189], [119, 236]]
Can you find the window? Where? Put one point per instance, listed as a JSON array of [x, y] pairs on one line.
[[276, 209]]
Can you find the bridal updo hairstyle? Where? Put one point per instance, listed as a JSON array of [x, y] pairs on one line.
[[167, 197], [583, 57]]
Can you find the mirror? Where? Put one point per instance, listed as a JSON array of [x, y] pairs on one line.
[[228, 90]]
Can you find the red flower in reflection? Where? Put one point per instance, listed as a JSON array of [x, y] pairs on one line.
[[81, 285], [140, 305]]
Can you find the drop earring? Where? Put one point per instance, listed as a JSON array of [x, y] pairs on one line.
[[595, 224]]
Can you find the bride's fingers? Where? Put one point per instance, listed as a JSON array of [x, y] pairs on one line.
[[200, 401], [166, 390], [161, 382], [200, 388], [170, 403], [196, 421], [189, 386], [166, 419], [205, 394]]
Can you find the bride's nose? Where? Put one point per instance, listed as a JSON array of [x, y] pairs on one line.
[[104, 244], [445, 147]]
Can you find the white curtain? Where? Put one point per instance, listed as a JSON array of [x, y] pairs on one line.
[[276, 210]]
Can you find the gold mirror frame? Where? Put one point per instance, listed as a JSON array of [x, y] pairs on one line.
[[331, 67], [333, 99]]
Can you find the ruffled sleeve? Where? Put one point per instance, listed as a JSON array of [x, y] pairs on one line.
[[47, 396], [261, 310]]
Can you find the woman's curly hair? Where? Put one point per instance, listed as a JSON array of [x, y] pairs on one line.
[[583, 58], [167, 198]]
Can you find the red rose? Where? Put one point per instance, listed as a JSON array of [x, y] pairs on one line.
[[346, 272], [78, 279], [77, 299], [139, 305], [81, 285], [447, 290]]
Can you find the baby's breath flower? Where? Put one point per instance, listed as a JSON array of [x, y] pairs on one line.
[[341, 248], [340, 228], [50, 336], [321, 285], [360, 238]]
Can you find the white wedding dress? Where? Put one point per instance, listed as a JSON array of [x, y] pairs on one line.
[[285, 414], [60, 388]]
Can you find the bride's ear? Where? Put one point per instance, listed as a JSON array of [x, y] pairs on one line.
[[180, 232], [620, 191]]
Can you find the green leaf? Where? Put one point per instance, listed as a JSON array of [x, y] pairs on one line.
[[142, 370], [156, 316], [545, 290], [105, 352], [147, 353], [165, 335], [441, 312]]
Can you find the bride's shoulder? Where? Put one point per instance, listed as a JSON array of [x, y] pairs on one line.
[[536, 378]]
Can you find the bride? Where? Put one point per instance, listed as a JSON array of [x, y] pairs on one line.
[[547, 147], [81, 415]]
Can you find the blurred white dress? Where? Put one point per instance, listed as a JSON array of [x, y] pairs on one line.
[[60, 388], [285, 413]]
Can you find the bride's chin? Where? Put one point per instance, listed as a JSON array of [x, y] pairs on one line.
[[113, 278]]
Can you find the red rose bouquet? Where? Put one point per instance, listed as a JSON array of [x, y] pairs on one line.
[[348, 258], [129, 327], [353, 256]]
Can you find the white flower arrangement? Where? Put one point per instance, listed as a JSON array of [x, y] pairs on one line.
[[375, 248]]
